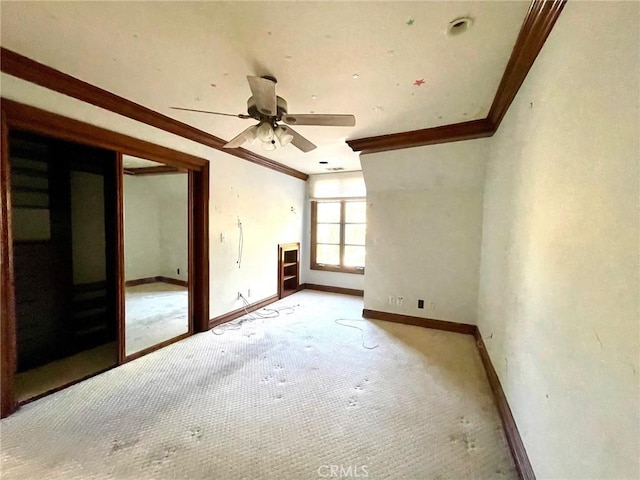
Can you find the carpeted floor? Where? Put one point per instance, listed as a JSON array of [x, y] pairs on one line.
[[154, 312], [294, 397]]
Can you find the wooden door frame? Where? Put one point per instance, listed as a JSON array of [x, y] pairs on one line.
[[18, 116]]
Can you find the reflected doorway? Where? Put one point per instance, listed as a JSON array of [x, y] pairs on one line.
[[156, 254]]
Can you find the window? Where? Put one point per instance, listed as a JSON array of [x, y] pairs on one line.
[[338, 230]]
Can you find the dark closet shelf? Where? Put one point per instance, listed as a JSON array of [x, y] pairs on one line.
[[31, 207], [29, 172], [20, 189]]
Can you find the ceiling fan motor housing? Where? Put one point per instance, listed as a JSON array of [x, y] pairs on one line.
[[253, 112]]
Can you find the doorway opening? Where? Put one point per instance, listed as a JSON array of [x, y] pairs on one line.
[[63, 218]]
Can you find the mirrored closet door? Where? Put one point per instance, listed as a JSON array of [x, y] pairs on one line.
[[156, 254]]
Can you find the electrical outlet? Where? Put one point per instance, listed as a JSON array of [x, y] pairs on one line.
[[392, 300], [420, 303], [400, 300], [432, 305], [239, 295], [178, 271]]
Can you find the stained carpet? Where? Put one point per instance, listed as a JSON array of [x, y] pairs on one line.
[[294, 397]]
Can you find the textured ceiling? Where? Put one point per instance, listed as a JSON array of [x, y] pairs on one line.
[[197, 55]]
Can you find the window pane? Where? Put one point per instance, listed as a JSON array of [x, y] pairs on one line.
[[328, 233], [328, 254], [329, 212], [354, 256], [355, 234], [355, 212]]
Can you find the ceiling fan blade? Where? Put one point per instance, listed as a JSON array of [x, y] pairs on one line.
[[248, 134], [264, 94], [320, 119], [240, 115], [299, 141]]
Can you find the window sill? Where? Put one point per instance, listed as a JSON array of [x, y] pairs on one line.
[[337, 269]]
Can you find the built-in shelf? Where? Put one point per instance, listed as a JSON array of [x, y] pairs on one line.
[[288, 268]]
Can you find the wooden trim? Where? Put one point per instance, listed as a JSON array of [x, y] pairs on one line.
[[328, 288], [7, 294], [199, 268], [314, 234], [158, 346], [33, 119], [516, 445], [159, 170], [111, 285], [227, 317], [191, 298], [540, 19], [420, 322], [454, 132], [120, 268], [140, 281], [24, 68], [160, 278]]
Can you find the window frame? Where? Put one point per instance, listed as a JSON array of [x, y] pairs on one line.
[[314, 225]]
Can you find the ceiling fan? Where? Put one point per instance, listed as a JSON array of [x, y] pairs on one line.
[[269, 109]]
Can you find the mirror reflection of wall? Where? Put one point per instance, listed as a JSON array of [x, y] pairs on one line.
[[156, 253]]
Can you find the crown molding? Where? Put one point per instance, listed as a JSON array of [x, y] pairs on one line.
[[540, 19], [538, 23], [26, 117], [454, 132], [19, 66]]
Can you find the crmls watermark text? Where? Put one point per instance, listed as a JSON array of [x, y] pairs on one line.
[[342, 471]]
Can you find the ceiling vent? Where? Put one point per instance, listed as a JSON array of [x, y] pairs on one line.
[[459, 25]]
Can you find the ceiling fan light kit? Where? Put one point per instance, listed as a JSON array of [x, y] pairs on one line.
[[284, 137], [269, 109]]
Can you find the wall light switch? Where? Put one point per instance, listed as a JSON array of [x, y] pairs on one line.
[[222, 238]]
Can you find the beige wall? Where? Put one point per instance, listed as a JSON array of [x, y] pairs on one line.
[[558, 302], [263, 200], [141, 229], [156, 226], [424, 223]]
